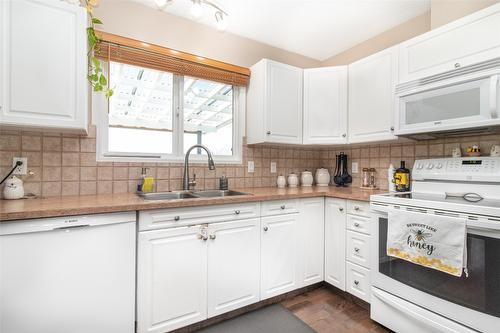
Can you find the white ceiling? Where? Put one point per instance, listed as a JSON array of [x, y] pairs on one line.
[[317, 29]]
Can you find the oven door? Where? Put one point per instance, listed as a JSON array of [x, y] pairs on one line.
[[473, 301]]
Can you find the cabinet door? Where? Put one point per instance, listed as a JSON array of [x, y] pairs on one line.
[[44, 65], [311, 237], [325, 105], [171, 279], [335, 221], [469, 40], [233, 265], [283, 103], [371, 97], [278, 255]]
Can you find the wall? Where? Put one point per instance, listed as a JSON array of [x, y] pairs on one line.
[[396, 35], [157, 27], [66, 165], [445, 11]]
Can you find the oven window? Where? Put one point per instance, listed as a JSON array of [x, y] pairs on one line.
[[479, 291]]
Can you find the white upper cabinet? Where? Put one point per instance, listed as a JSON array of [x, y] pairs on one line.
[[43, 51], [469, 40], [372, 83], [274, 103], [325, 105]]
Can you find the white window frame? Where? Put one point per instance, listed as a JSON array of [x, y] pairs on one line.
[[100, 119]]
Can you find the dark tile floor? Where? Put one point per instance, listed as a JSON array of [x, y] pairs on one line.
[[330, 312]]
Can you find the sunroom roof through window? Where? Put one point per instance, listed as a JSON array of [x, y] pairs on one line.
[[143, 99]]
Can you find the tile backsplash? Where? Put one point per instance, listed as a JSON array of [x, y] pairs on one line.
[[65, 164]]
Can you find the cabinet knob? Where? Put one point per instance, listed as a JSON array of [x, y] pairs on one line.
[[356, 208], [237, 212], [212, 236], [356, 224], [356, 282], [177, 218], [356, 249], [266, 228], [457, 65], [204, 238], [392, 128], [341, 209], [268, 132], [282, 207], [344, 135]]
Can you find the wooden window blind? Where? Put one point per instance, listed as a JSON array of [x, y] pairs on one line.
[[133, 52]]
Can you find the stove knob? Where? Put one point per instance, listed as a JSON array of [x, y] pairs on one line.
[[439, 166], [430, 166], [420, 166]]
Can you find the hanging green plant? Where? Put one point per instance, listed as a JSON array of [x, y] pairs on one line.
[[96, 77]]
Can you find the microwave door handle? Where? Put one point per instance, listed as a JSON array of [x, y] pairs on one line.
[[494, 96]]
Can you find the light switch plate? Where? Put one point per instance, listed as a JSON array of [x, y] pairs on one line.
[[273, 167], [251, 166], [354, 167], [20, 170]]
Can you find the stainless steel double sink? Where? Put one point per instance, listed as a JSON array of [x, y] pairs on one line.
[[190, 194]]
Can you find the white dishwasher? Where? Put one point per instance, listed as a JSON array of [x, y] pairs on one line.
[[68, 275]]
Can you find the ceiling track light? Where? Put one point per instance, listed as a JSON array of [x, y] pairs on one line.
[[196, 11]]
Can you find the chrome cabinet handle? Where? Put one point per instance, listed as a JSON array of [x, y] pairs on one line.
[[356, 207], [344, 135], [177, 218], [356, 225], [237, 212], [266, 228], [212, 236], [356, 282], [268, 132], [283, 207], [204, 238], [392, 128], [356, 250], [341, 209], [457, 65]]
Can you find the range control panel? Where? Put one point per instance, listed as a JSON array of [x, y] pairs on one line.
[[481, 169]]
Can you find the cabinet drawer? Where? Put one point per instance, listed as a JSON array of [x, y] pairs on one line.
[[279, 207], [358, 208], [168, 218], [358, 281], [357, 248], [359, 224]]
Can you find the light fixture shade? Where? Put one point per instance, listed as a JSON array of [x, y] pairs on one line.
[[196, 10]]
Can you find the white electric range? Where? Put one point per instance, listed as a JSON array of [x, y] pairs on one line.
[[410, 298]]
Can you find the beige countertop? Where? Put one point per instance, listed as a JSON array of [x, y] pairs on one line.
[[106, 203]]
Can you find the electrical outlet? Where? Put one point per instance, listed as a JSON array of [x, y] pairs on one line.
[[251, 166], [22, 169], [273, 167], [354, 167]]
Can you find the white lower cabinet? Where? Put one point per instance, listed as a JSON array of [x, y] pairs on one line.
[[311, 237], [279, 250], [171, 279], [233, 265], [335, 224]]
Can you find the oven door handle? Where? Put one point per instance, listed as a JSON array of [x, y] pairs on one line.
[[424, 318]]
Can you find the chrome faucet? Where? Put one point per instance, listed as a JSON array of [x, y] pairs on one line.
[[186, 184]]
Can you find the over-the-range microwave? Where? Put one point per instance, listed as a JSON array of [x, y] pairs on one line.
[[460, 104]]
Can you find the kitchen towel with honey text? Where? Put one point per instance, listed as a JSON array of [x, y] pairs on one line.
[[429, 240]]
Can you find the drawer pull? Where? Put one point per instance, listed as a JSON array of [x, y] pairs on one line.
[[356, 249], [283, 207], [356, 208], [212, 236], [177, 218], [356, 282], [356, 224], [237, 212], [341, 209], [266, 228], [457, 65]]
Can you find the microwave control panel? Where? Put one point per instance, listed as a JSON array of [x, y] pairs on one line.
[[483, 169]]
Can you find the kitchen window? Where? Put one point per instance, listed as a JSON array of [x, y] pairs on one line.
[[164, 102], [156, 116]]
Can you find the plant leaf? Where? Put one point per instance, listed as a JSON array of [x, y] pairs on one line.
[[109, 93], [96, 21], [102, 80], [97, 87]]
